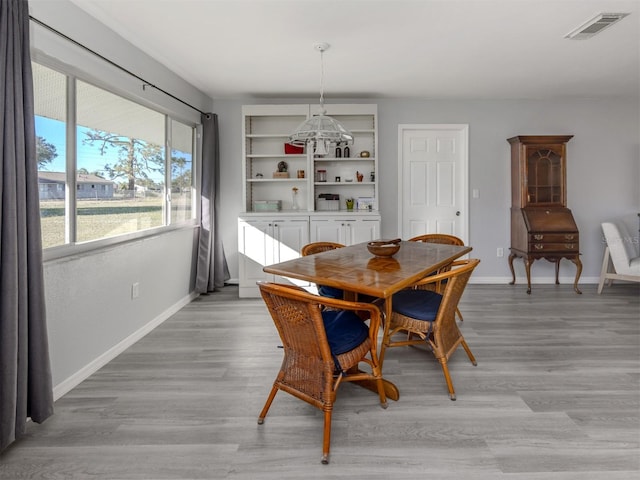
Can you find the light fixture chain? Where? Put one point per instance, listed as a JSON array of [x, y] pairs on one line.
[[322, 80]]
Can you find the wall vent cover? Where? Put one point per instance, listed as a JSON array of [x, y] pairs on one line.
[[595, 25]]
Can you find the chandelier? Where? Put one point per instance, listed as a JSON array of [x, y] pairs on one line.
[[320, 131]]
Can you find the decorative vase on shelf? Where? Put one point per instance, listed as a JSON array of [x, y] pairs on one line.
[[294, 197], [349, 202]]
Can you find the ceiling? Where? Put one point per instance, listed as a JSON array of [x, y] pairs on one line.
[[429, 49]]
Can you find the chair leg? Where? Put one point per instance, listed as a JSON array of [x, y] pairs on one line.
[[267, 405], [605, 270], [326, 442], [469, 354], [459, 314], [447, 377]]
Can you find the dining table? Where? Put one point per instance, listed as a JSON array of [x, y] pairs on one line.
[[358, 272]]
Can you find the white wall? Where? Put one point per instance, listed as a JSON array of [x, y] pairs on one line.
[[91, 315], [603, 169]]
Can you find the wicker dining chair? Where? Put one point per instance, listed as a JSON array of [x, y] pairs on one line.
[[444, 239], [320, 352], [428, 317], [317, 247], [326, 290]]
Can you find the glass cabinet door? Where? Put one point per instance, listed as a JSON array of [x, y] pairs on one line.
[[544, 176]]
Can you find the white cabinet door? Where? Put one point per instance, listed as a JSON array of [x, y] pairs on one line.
[[327, 230], [346, 230], [289, 236], [363, 230], [264, 242], [255, 251]]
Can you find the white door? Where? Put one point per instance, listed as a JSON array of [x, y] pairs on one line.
[[432, 177]]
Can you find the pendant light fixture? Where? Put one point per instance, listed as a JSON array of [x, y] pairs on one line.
[[320, 131]]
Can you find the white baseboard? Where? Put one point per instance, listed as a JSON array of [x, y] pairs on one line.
[[537, 280], [85, 372]]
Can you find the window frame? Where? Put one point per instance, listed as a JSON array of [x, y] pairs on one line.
[[73, 247]]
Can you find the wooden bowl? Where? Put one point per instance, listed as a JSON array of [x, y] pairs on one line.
[[384, 248]]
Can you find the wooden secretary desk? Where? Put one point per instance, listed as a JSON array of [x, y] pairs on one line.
[[541, 224]]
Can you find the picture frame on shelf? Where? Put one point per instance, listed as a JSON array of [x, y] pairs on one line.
[[365, 203]]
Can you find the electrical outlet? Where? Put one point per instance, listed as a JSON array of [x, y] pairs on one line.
[[135, 290], [500, 252]]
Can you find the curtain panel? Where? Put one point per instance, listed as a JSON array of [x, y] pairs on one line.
[[25, 372], [211, 269]]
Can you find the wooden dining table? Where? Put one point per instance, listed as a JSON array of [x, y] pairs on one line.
[[356, 271]]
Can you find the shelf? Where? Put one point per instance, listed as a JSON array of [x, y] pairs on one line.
[[276, 155], [344, 184], [270, 180], [267, 135], [345, 159], [266, 129]]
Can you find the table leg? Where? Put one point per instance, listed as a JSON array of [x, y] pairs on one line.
[[557, 262], [390, 389]]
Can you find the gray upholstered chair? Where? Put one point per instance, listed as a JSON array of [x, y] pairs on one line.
[[621, 257]]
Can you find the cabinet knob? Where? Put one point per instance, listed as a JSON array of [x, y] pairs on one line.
[[538, 246], [538, 237], [568, 237], [569, 246], [458, 213]]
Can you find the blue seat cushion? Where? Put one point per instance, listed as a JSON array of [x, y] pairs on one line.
[[330, 292], [333, 292], [418, 304], [345, 330]]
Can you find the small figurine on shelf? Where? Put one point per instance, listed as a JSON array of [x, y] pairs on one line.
[[359, 176], [346, 152], [294, 194], [282, 167]]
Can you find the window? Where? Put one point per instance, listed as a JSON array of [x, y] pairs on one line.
[[120, 145], [51, 147], [124, 156], [181, 171]]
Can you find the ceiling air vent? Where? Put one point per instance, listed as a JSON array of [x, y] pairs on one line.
[[595, 25]]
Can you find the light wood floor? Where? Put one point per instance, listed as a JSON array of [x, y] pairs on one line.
[[555, 396]]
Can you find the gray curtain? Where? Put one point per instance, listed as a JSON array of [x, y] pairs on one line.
[[212, 269], [25, 372]]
